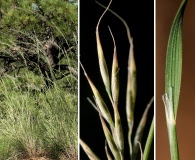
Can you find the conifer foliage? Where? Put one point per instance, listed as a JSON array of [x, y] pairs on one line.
[[37, 35]]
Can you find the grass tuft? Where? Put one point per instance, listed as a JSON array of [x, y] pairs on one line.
[[37, 121]]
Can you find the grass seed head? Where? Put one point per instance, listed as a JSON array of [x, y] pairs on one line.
[[115, 74], [110, 140], [88, 151], [99, 101], [103, 65], [119, 138], [131, 88], [101, 58]]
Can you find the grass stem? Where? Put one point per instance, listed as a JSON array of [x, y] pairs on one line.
[[173, 143], [171, 125]]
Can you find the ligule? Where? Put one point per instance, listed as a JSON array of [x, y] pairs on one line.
[[140, 129], [169, 110], [88, 151], [100, 102], [110, 140]]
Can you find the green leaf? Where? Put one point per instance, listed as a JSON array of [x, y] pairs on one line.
[[174, 58], [149, 141]]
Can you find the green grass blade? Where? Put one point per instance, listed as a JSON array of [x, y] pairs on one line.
[[173, 79], [140, 130], [174, 57], [149, 141]]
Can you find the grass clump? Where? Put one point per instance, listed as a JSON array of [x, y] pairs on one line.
[[35, 123], [38, 80]]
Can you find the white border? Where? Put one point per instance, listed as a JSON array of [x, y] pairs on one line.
[[154, 79]]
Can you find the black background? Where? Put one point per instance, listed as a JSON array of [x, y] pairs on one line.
[[140, 18]]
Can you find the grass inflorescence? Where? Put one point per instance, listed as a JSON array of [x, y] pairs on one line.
[[111, 119]]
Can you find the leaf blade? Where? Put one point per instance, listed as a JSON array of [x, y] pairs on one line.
[[173, 71]]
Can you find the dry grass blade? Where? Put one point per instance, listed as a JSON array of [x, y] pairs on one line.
[[140, 129], [100, 102], [101, 58], [88, 151]]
